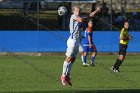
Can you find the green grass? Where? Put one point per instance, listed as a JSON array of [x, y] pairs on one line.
[[34, 74]]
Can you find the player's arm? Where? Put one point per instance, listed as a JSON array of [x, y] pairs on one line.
[[122, 36], [125, 37], [92, 14], [90, 39], [78, 19], [129, 36]]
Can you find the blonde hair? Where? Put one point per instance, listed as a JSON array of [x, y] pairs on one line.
[[73, 8]]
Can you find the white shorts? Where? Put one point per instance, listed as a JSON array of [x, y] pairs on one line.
[[72, 48]]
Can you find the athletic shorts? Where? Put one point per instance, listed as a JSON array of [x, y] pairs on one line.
[[122, 49], [89, 49], [72, 48]]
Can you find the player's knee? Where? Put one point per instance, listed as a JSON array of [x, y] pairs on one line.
[[68, 59], [95, 52], [95, 49], [85, 53], [121, 57], [81, 53]]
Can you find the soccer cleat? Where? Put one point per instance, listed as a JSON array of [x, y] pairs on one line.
[[85, 64], [68, 80], [92, 64], [116, 71], [112, 68], [63, 81]]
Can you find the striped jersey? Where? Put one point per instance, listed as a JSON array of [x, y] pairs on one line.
[[75, 32]]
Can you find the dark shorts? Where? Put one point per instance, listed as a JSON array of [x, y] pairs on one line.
[[122, 49], [89, 49]]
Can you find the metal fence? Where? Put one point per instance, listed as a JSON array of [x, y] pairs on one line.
[[32, 14]]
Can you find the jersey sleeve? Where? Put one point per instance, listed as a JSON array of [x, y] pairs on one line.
[[73, 17], [122, 33], [89, 31]]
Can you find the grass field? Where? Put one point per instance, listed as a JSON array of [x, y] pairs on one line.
[[40, 74]]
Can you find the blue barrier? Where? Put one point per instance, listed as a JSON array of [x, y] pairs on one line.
[[55, 41]]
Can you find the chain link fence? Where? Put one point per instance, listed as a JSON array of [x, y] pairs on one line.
[[114, 12]]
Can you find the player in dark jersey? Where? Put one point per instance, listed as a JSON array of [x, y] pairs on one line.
[[124, 40]]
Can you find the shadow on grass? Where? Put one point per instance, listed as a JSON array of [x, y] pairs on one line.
[[84, 91]]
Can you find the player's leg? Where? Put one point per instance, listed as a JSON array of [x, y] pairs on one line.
[[71, 53], [86, 49], [64, 71], [85, 59], [94, 52], [81, 52], [67, 65], [118, 62], [67, 75], [120, 59], [71, 61]]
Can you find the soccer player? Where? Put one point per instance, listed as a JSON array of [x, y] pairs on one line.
[[73, 44], [124, 40], [88, 45]]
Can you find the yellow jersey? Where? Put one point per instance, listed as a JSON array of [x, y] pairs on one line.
[[124, 33]]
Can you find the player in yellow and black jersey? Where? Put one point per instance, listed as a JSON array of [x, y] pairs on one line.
[[124, 40]]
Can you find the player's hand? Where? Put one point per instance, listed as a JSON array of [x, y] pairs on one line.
[[90, 45], [93, 13], [130, 37], [98, 9], [79, 19]]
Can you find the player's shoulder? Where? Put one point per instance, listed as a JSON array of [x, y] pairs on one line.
[[122, 30], [89, 30], [73, 16]]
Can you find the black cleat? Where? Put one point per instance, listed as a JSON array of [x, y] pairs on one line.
[[112, 68], [92, 64], [68, 80]]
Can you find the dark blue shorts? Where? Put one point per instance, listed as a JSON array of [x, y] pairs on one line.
[[89, 49]]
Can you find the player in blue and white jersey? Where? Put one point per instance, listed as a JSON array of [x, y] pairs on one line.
[[73, 43]]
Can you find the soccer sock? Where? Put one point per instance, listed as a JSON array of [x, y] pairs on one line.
[[92, 59], [116, 63], [65, 66], [69, 68], [120, 63], [83, 59]]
